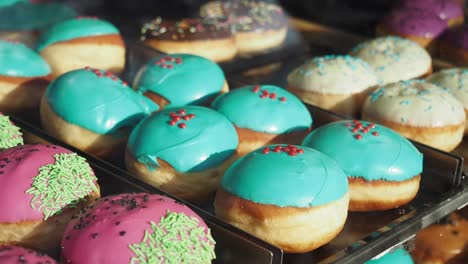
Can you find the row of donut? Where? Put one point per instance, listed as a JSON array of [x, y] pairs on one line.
[[50, 199], [221, 30], [437, 25], [388, 80]]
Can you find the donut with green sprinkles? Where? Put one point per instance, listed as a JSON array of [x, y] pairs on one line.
[[137, 228], [10, 135], [40, 181]]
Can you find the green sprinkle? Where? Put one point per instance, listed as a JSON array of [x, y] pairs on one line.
[[62, 184], [10, 134], [177, 239]]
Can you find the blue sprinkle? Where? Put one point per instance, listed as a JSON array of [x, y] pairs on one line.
[[375, 95], [429, 108], [403, 120], [405, 102]]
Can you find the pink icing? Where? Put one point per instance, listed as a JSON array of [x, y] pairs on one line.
[[445, 9], [103, 233], [18, 167], [15, 255], [415, 22]]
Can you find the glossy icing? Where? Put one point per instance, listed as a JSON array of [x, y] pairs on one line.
[[17, 60], [456, 37], [455, 80], [18, 168], [190, 139], [15, 255], [4, 3], [265, 108], [103, 233], [24, 15], [97, 100], [286, 176], [393, 58], [367, 150], [415, 103], [182, 79], [414, 22], [75, 28], [400, 256], [333, 74], [445, 9]]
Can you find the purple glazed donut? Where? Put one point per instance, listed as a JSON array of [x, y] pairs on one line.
[[447, 10]]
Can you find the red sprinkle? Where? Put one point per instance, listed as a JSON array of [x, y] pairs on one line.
[[181, 112], [266, 151], [283, 99], [364, 130], [169, 66], [108, 74], [375, 133], [176, 118], [273, 96], [277, 149], [172, 122], [178, 60], [256, 88], [355, 130], [125, 83], [87, 68], [173, 114], [186, 117], [287, 149], [371, 125], [263, 96], [182, 125], [356, 122], [300, 151], [292, 153], [359, 126], [191, 116], [358, 137]]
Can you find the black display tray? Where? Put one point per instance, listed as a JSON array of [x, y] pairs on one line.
[[365, 235]]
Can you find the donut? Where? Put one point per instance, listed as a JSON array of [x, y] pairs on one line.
[[455, 80], [293, 197], [443, 242], [394, 59], [42, 186], [180, 79], [190, 35], [22, 20], [92, 110], [447, 10], [420, 25], [183, 151], [383, 168], [257, 25], [399, 255], [418, 110], [82, 41], [15, 255], [263, 115], [24, 76], [137, 228], [10, 134], [333, 82], [453, 45]]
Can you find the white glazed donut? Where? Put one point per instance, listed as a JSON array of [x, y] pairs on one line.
[[335, 83], [456, 81], [418, 110], [394, 59]]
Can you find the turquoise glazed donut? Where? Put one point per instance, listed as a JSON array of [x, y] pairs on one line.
[[370, 155], [281, 194], [399, 256], [268, 111], [96, 101], [24, 75], [177, 146], [82, 41], [180, 79]]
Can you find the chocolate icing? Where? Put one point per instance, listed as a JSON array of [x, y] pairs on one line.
[[185, 29]]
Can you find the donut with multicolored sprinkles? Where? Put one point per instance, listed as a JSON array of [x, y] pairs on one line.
[[137, 228], [42, 186]]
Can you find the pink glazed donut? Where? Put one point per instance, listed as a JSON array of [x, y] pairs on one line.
[[15, 255], [136, 228], [41, 188]]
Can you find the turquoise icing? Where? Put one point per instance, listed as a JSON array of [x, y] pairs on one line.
[[20, 61], [4, 3], [182, 79], [379, 154], [28, 16], [266, 108], [75, 28], [399, 256], [203, 141], [284, 179], [97, 101]]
